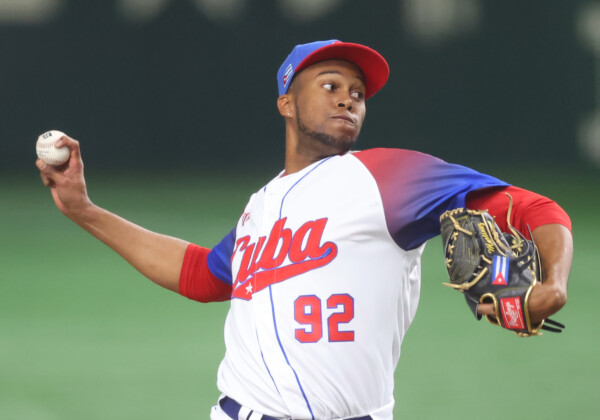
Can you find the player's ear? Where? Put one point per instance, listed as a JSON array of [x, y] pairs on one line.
[[286, 106]]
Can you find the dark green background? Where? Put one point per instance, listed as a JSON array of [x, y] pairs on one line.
[[185, 89], [188, 105]]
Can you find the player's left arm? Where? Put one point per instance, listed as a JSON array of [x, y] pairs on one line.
[[551, 229]]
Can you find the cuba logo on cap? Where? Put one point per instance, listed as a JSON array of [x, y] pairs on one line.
[[288, 74]]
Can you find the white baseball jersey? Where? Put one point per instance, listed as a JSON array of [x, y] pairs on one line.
[[325, 272]]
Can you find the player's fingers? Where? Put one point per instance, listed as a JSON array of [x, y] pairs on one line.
[[47, 173], [72, 144], [486, 309], [45, 179]]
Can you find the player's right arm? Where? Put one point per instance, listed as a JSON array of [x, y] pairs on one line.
[[158, 257]]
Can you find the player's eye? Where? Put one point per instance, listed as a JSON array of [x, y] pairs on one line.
[[358, 95], [329, 86]]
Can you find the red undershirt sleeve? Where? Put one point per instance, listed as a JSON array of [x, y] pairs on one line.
[[197, 282], [529, 209]]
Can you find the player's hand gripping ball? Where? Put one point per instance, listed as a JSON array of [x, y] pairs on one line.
[[46, 151]]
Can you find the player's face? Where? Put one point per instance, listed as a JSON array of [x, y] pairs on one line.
[[329, 98]]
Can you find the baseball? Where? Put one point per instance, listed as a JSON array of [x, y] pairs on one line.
[[47, 152]]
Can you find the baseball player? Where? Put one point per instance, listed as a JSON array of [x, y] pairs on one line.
[[323, 266]]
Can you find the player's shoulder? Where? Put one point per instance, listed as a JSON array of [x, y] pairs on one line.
[[390, 156], [388, 152]]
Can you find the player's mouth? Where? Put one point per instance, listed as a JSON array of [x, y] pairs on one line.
[[345, 117]]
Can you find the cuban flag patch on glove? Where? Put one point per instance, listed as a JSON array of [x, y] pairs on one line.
[[500, 271]]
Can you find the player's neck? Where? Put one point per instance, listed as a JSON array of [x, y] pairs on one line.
[[300, 153], [297, 159], [296, 163]]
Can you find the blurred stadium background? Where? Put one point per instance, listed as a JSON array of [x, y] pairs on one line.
[[173, 102]]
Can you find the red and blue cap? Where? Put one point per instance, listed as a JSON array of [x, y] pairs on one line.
[[370, 62]]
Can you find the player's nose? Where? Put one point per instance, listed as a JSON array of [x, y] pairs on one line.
[[345, 103]]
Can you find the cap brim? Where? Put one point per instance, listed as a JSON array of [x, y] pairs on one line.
[[374, 67]]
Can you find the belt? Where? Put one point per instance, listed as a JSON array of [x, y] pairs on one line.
[[232, 408]]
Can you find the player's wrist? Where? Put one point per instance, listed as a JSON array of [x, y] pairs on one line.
[[546, 300], [83, 213]]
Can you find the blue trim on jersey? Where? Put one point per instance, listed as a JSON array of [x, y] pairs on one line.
[[285, 354], [273, 305], [219, 258], [297, 182], [265, 362]]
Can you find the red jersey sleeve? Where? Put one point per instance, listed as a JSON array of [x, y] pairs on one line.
[[529, 209], [197, 282]]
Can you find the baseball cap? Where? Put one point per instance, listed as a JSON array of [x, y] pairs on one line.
[[370, 62]]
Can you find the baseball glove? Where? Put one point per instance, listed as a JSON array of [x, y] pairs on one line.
[[489, 266]]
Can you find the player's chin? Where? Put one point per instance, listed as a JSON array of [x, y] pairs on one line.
[[347, 138], [344, 144], [335, 141]]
